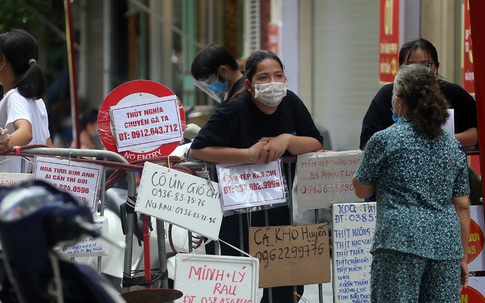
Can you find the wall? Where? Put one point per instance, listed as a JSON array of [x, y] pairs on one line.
[[345, 55]]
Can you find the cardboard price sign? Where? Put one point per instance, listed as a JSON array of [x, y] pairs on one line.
[[217, 279], [245, 185], [90, 246], [12, 179], [325, 178], [181, 199], [138, 113], [291, 255], [82, 180], [146, 124], [353, 231]]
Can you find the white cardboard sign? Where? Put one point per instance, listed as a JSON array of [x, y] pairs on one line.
[[450, 122], [12, 179], [325, 178], [90, 246], [82, 180], [243, 185], [181, 199], [212, 278], [353, 231], [146, 124]]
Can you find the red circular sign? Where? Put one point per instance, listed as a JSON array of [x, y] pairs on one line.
[[475, 241], [471, 294], [131, 93]]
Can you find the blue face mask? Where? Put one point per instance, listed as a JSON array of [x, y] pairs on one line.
[[394, 117], [218, 87]]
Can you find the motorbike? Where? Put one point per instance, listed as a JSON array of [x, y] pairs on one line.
[[35, 217]]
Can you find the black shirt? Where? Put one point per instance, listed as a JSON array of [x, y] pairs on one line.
[[379, 115], [240, 124]]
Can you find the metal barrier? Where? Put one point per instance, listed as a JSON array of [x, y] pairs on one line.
[[115, 161]]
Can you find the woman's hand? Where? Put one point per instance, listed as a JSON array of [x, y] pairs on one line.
[[464, 273], [256, 153], [6, 142], [275, 147]]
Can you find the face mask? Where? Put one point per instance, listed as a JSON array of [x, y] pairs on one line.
[[395, 118], [215, 90], [204, 87], [270, 94], [2, 67], [218, 87]]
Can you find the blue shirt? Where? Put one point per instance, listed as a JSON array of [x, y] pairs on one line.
[[415, 178]]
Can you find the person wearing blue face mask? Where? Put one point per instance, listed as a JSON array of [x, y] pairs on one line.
[[380, 116], [217, 73], [418, 173]]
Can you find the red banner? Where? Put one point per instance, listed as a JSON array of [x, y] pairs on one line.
[[468, 76], [274, 38], [477, 9], [388, 40]]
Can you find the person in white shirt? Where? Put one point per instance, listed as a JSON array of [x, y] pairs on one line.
[[23, 115]]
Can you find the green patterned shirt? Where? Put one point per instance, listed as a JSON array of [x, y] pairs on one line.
[[415, 178]]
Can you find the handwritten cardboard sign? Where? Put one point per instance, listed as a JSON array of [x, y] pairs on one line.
[[291, 255], [245, 185], [82, 180], [146, 124], [181, 199], [353, 231], [90, 246], [325, 178], [210, 278]]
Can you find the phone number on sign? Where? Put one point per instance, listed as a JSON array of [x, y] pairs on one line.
[[162, 193], [146, 132], [191, 299], [328, 188], [239, 188], [74, 189], [286, 253]]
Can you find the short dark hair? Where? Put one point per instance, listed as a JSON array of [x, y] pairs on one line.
[[421, 43], [208, 60], [89, 117]]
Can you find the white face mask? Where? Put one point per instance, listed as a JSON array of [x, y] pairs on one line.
[[270, 94]]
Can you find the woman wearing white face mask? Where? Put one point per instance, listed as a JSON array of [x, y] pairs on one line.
[[265, 122], [260, 125]]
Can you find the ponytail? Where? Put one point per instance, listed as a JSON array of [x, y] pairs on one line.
[[22, 52]]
